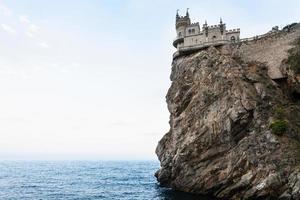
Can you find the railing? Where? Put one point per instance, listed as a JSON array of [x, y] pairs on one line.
[[176, 54], [178, 38]]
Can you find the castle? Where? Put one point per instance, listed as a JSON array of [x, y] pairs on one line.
[[190, 37], [261, 48]]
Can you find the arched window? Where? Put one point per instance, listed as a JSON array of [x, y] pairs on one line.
[[190, 31], [232, 39], [193, 31], [214, 37], [179, 34]]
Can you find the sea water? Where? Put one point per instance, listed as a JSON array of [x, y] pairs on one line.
[[83, 180]]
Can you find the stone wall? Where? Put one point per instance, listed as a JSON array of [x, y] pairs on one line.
[[235, 34], [271, 49], [214, 35], [194, 40]]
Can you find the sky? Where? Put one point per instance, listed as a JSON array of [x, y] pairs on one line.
[[87, 79]]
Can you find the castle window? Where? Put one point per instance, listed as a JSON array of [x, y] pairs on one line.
[[214, 37], [190, 31], [179, 34], [232, 39], [193, 31]]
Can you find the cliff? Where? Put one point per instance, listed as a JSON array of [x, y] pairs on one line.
[[234, 130]]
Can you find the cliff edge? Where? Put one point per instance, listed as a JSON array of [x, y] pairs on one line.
[[234, 130]]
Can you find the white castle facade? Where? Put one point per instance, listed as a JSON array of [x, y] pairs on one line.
[[191, 37]]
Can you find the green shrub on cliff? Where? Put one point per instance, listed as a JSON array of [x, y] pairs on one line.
[[294, 57], [279, 127], [279, 113]]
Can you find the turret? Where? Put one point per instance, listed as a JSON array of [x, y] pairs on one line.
[[182, 22], [187, 12], [205, 28], [222, 26], [177, 15]]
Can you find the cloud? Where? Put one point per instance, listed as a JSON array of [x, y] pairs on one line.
[[5, 11], [31, 28], [43, 45], [24, 19], [65, 70], [75, 65], [8, 29]]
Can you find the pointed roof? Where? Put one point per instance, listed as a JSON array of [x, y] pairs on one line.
[[187, 12], [177, 13]]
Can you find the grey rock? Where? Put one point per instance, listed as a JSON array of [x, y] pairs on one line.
[[220, 142]]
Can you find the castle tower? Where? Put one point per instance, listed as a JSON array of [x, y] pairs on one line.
[[181, 23]]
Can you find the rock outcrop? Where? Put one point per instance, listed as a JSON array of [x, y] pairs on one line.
[[234, 132]]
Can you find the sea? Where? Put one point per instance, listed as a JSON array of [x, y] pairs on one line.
[[84, 180]]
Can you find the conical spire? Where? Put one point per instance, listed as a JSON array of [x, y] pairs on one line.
[[177, 14], [221, 21], [187, 12]]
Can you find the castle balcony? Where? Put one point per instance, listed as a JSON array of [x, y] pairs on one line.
[[190, 49], [177, 40]]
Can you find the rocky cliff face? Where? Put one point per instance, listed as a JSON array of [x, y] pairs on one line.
[[234, 132]]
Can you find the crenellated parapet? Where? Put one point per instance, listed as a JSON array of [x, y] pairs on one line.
[[195, 24], [182, 21], [233, 31]]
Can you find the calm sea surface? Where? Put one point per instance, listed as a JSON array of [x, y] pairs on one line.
[[82, 180]]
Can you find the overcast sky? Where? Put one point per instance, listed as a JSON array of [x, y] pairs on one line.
[[87, 79]]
